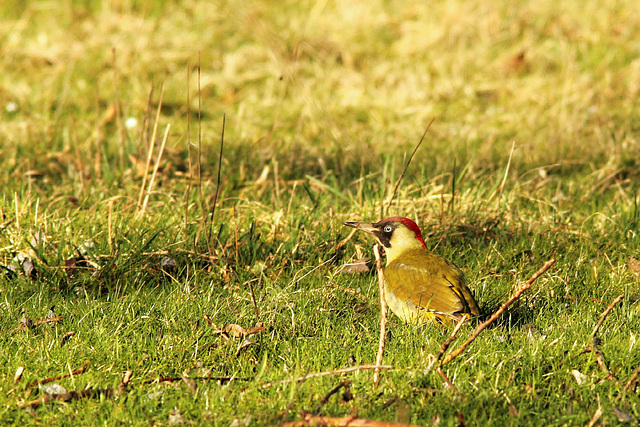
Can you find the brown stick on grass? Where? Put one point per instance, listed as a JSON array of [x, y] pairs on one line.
[[481, 327], [594, 341], [632, 379], [448, 381], [324, 374], [350, 421], [383, 315], [48, 320], [445, 345], [91, 392], [605, 314], [80, 370]]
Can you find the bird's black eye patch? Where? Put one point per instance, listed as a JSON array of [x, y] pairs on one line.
[[384, 233]]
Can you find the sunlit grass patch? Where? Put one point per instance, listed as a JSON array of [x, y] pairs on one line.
[[533, 154]]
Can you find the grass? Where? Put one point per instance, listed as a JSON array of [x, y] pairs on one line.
[[324, 103]]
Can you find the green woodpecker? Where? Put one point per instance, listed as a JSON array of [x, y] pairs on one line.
[[419, 285]]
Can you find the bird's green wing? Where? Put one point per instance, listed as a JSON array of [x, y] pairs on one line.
[[428, 282]]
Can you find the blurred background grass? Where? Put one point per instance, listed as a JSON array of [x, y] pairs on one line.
[[327, 85]]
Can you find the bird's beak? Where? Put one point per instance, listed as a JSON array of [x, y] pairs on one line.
[[364, 226]]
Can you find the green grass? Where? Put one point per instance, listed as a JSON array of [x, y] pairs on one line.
[[324, 103]]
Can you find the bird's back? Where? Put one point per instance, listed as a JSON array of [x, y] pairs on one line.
[[420, 285]]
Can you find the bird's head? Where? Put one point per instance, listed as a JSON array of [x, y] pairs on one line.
[[396, 234]]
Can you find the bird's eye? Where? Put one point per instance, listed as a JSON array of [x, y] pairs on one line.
[[388, 229]]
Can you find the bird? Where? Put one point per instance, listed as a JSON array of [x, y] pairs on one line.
[[419, 285]]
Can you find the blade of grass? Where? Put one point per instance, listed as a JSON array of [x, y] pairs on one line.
[[385, 206], [151, 148]]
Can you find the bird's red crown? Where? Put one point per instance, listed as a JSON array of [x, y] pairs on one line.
[[409, 224]]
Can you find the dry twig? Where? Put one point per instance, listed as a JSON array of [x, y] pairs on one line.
[[174, 379], [383, 315], [596, 415], [66, 397], [80, 370], [48, 320], [517, 294], [316, 420], [72, 395], [632, 379], [327, 373], [445, 345], [325, 399], [593, 344], [593, 347], [605, 313], [448, 381]]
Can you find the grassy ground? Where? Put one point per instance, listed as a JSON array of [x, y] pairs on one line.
[[324, 102]]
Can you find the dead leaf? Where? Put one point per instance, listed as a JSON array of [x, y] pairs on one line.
[[362, 265], [579, 376], [234, 330], [168, 264], [513, 411], [200, 370], [516, 62], [26, 323], [175, 417], [29, 269], [256, 329], [66, 337], [634, 266], [191, 383], [18, 374], [152, 396], [71, 264], [623, 417], [244, 422], [237, 331]]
